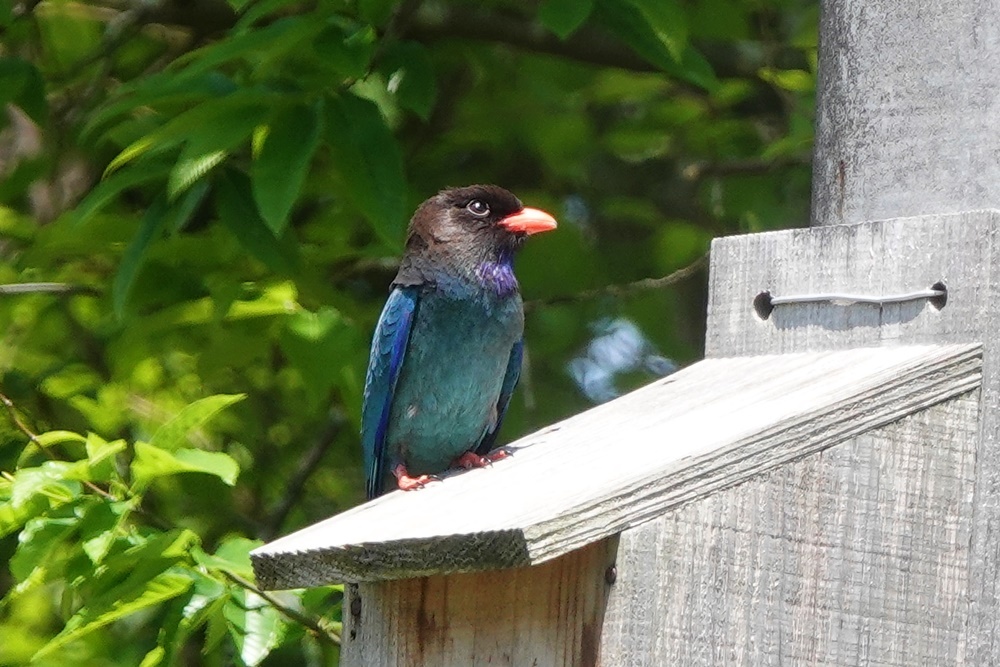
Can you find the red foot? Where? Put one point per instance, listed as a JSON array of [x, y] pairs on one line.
[[407, 483], [471, 460]]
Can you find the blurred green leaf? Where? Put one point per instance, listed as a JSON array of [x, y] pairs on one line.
[[376, 12], [280, 169], [40, 541], [234, 203], [176, 432], [368, 165], [790, 79], [152, 463], [668, 21], [233, 555], [316, 344], [657, 44], [111, 187], [410, 77], [22, 85], [283, 35], [68, 37], [136, 597], [347, 48], [152, 224], [563, 17], [199, 124]]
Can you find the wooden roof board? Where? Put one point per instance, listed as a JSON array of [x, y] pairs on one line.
[[707, 427]]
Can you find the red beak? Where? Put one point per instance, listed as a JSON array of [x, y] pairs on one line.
[[528, 221]]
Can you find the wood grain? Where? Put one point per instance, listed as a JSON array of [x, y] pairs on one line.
[[907, 99], [858, 555], [713, 425], [548, 615], [962, 250]]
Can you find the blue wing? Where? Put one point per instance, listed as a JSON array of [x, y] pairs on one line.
[[388, 351], [510, 379]]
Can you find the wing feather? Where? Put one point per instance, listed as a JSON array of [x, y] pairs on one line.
[[392, 335], [510, 379]]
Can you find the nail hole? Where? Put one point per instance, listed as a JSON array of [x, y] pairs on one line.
[[939, 302], [762, 305]]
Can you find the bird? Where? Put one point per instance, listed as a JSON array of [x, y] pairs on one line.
[[447, 350]]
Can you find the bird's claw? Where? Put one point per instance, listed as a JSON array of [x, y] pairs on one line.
[[470, 460], [407, 483]]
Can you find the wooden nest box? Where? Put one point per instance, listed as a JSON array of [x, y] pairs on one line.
[[798, 504], [824, 488]]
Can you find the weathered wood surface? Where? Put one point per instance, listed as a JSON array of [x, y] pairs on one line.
[[961, 250], [858, 555], [906, 109], [707, 427], [548, 615], [888, 257]]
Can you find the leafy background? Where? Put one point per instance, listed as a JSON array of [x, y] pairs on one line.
[[202, 204]]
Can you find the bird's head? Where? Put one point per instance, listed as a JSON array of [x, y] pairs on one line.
[[471, 231]]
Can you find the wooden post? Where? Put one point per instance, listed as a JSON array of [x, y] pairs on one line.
[[906, 119]]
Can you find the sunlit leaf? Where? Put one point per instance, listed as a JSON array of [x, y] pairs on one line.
[[38, 542], [151, 463], [233, 555], [50, 438], [210, 114], [795, 80], [175, 433], [255, 626], [109, 188], [137, 597]]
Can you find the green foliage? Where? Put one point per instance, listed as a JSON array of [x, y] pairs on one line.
[[224, 186], [116, 559]]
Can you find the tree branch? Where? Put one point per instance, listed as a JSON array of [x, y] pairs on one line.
[[699, 170], [586, 45], [36, 441], [307, 466], [65, 289], [623, 290], [321, 633]]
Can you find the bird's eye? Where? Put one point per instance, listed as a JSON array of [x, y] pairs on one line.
[[478, 208]]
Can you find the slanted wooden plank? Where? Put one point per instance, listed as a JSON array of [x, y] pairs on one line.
[[858, 555], [710, 426]]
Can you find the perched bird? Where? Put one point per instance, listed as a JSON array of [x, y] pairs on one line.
[[446, 354]]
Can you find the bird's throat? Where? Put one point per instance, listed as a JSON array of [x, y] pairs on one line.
[[497, 275]]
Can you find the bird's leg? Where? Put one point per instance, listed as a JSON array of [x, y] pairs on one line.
[[471, 460], [407, 483]]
